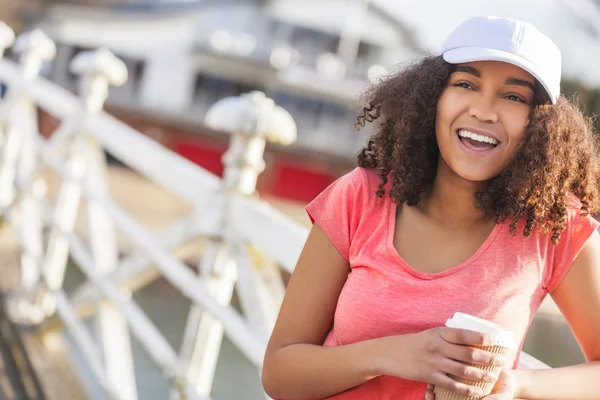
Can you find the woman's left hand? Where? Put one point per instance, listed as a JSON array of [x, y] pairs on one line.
[[506, 388]]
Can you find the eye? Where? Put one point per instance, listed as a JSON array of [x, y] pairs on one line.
[[516, 98], [463, 85]]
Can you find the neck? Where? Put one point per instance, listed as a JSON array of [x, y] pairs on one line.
[[450, 200]]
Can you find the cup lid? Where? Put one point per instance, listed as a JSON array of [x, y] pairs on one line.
[[503, 336]]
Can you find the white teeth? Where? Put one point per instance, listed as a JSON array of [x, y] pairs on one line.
[[474, 136]]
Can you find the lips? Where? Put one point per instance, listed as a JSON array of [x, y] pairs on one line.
[[476, 147], [478, 136]]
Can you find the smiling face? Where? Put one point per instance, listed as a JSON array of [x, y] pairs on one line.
[[481, 118]]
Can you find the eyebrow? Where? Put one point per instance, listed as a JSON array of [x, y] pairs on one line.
[[469, 70], [520, 82], [509, 81]]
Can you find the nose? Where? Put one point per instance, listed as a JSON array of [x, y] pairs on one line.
[[484, 109]]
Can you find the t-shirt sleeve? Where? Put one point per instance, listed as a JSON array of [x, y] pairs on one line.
[[577, 232], [337, 210]]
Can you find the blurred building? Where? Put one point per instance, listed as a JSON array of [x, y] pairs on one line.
[[13, 12], [19, 13], [312, 57], [9, 10]]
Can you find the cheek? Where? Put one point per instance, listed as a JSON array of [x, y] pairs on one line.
[[516, 126], [449, 108], [445, 106], [446, 113]]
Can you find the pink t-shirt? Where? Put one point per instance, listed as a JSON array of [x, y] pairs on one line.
[[504, 281]]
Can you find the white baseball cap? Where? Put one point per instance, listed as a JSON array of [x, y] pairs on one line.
[[508, 40]]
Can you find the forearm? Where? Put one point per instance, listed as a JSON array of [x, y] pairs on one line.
[[578, 382], [305, 371]]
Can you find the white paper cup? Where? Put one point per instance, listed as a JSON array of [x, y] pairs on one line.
[[504, 344]]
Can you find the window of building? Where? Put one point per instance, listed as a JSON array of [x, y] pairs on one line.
[[72, 80], [130, 91], [312, 43], [304, 111], [367, 55], [209, 89], [321, 125]]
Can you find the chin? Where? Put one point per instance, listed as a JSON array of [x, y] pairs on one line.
[[475, 178], [471, 175], [471, 170]]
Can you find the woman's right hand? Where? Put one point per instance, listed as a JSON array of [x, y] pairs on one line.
[[431, 355]]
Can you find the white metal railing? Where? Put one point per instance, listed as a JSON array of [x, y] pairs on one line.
[[224, 213]]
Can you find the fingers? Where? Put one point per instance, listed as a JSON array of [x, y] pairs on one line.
[[429, 395], [468, 371], [473, 356], [466, 337], [446, 382]]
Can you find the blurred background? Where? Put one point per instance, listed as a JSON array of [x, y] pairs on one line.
[[314, 58]]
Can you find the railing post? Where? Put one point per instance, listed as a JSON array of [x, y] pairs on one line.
[[70, 192], [34, 49], [7, 39], [98, 70], [250, 118]]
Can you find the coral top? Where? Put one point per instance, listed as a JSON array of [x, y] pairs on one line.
[[505, 281]]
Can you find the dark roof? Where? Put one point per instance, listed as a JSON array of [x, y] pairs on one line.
[[161, 6], [155, 6]]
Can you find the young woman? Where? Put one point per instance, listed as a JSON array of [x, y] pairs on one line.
[[473, 195]]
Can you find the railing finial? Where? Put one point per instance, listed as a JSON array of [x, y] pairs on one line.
[[7, 38], [253, 119], [98, 70], [35, 47]]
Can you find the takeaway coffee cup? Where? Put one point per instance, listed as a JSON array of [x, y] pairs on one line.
[[504, 344]]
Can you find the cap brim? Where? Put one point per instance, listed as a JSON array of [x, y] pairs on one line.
[[472, 54]]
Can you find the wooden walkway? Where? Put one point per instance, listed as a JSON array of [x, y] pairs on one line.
[[18, 379], [34, 366]]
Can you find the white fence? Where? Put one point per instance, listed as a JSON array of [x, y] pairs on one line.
[[224, 213]]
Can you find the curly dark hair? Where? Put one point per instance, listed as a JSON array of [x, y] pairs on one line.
[[559, 154]]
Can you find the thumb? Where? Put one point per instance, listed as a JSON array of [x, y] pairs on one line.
[[499, 394]]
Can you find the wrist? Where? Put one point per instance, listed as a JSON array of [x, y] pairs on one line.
[[523, 383], [374, 351], [380, 355]]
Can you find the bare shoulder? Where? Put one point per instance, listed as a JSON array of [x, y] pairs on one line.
[[306, 315], [578, 297]]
